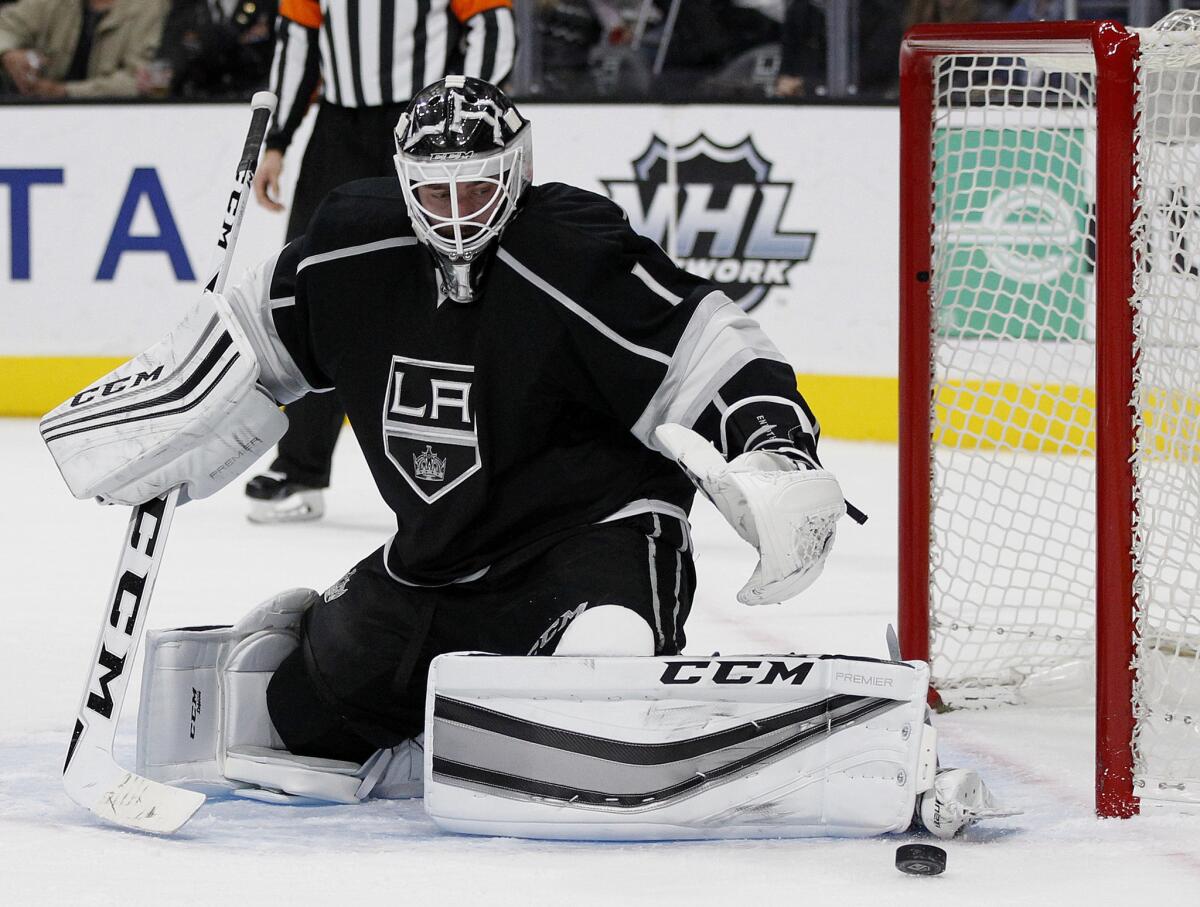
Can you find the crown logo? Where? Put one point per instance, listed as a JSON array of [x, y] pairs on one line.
[[429, 466]]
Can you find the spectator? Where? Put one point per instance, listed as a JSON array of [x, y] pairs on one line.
[[802, 50], [803, 62], [213, 48], [568, 30], [352, 139], [78, 48], [941, 11], [710, 33]]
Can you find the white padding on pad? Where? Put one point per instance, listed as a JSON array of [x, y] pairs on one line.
[[329, 780], [204, 692], [673, 747], [178, 718], [248, 669]]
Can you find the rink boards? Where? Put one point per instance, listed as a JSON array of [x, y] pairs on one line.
[[107, 213]]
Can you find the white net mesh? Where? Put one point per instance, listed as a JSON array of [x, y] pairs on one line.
[[1012, 569], [1167, 398], [1013, 510]]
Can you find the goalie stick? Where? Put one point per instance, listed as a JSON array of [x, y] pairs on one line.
[[91, 775]]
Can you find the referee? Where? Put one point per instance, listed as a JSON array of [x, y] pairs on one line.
[[367, 58]]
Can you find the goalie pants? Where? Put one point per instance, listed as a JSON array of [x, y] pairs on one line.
[[357, 681]]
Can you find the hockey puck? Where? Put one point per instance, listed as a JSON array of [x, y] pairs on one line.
[[920, 859]]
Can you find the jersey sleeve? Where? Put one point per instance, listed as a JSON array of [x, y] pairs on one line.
[[270, 303], [659, 345], [295, 68], [731, 384]]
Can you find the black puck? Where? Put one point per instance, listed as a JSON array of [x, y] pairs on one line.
[[920, 859]]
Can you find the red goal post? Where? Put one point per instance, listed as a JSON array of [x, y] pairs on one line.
[[1113, 50]]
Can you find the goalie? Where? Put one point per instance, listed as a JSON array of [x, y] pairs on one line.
[[525, 375]]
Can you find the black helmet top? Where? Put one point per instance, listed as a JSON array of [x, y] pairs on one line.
[[458, 114], [462, 135]]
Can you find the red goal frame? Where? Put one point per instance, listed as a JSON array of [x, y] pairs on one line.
[[1114, 50]]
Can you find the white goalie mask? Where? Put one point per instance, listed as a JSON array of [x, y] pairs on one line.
[[464, 157]]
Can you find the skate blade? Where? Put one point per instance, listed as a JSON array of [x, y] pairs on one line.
[[300, 507]]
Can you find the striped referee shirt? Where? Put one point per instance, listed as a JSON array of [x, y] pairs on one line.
[[374, 52]]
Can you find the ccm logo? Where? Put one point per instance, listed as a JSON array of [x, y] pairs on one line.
[[118, 637], [196, 709], [735, 672], [865, 679], [115, 386]]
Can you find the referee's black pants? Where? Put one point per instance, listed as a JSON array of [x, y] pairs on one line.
[[347, 143]]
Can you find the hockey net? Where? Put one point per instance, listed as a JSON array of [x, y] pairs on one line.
[[1050, 423]]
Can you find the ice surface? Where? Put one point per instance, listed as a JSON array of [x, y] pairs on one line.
[[57, 556]]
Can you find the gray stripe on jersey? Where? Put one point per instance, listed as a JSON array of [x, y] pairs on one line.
[[387, 555], [655, 287], [648, 505], [251, 304], [719, 340], [678, 574], [322, 257], [655, 601], [578, 310]]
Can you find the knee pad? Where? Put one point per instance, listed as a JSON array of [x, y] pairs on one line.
[[204, 692], [607, 630]]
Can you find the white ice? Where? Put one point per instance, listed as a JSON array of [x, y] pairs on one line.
[[57, 556]]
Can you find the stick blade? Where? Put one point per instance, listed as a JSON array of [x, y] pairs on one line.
[[97, 783]]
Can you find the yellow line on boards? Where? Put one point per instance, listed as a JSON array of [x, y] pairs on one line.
[[33, 385]]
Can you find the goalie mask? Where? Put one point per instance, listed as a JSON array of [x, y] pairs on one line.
[[464, 157]]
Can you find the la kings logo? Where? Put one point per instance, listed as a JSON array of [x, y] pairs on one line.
[[429, 425], [727, 214]]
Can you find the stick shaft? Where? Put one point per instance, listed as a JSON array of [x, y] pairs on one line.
[[91, 775], [240, 191]]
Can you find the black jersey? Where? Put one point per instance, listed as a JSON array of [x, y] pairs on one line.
[[494, 428]]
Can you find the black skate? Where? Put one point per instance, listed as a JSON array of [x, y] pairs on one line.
[[273, 499]]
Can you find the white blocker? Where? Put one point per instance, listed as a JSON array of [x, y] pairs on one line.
[[675, 747]]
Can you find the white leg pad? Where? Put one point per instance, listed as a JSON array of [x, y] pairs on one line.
[[287, 776], [674, 747], [203, 721], [204, 692]]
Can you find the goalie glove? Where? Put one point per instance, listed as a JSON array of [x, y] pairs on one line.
[[788, 513]]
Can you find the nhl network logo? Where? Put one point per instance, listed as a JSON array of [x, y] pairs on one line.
[[726, 212], [429, 466]]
